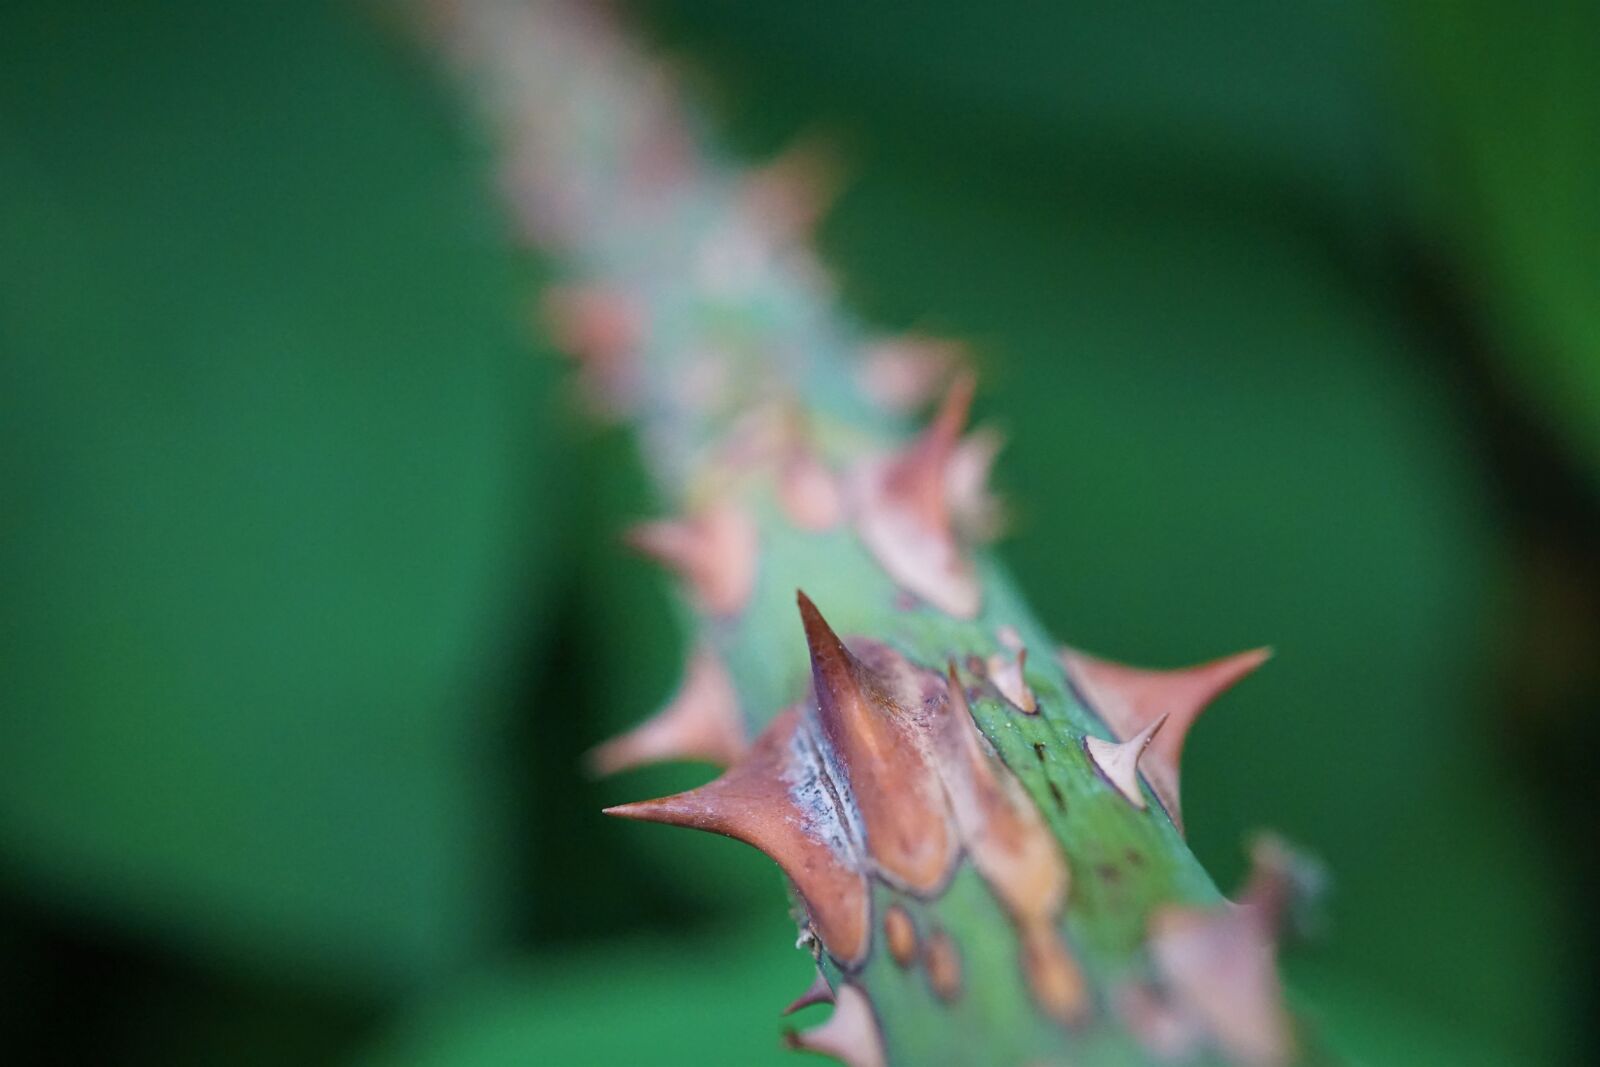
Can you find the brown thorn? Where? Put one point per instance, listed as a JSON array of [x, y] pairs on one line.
[[866, 720], [776, 800]]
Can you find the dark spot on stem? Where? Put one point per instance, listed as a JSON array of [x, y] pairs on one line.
[[1055, 791], [1135, 857], [1039, 750], [1108, 873]]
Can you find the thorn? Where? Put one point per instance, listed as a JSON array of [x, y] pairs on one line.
[[920, 475], [900, 934], [975, 510], [773, 800], [905, 373], [1128, 699], [1220, 964], [904, 516], [1008, 637], [864, 721], [788, 197], [1219, 967], [1007, 675], [1119, 762], [714, 551], [601, 328], [701, 723], [1284, 886], [850, 1035], [819, 992]]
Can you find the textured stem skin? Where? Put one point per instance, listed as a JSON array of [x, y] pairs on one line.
[[978, 882]]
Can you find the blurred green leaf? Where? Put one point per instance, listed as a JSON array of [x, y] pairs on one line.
[[270, 443], [1504, 104]]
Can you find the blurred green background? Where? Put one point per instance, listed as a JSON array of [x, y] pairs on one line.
[[312, 600]]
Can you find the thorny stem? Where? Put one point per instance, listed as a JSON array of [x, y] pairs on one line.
[[985, 845]]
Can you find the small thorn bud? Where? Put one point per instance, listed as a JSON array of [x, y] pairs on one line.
[[1006, 672], [1119, 762]]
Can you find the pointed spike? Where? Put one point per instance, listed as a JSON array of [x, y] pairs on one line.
[[1006, 672], [775, 799], [904, 373], [1219, 966], [866, 715], [834, 671], [1119, 762], [591, 322], [1284, 884], [1128, 699], [600, 328], [818, 992], [920, 475], [701, 723], [903, 513], [714, 551], [850, 1035], [789, 196], [975, 510]]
